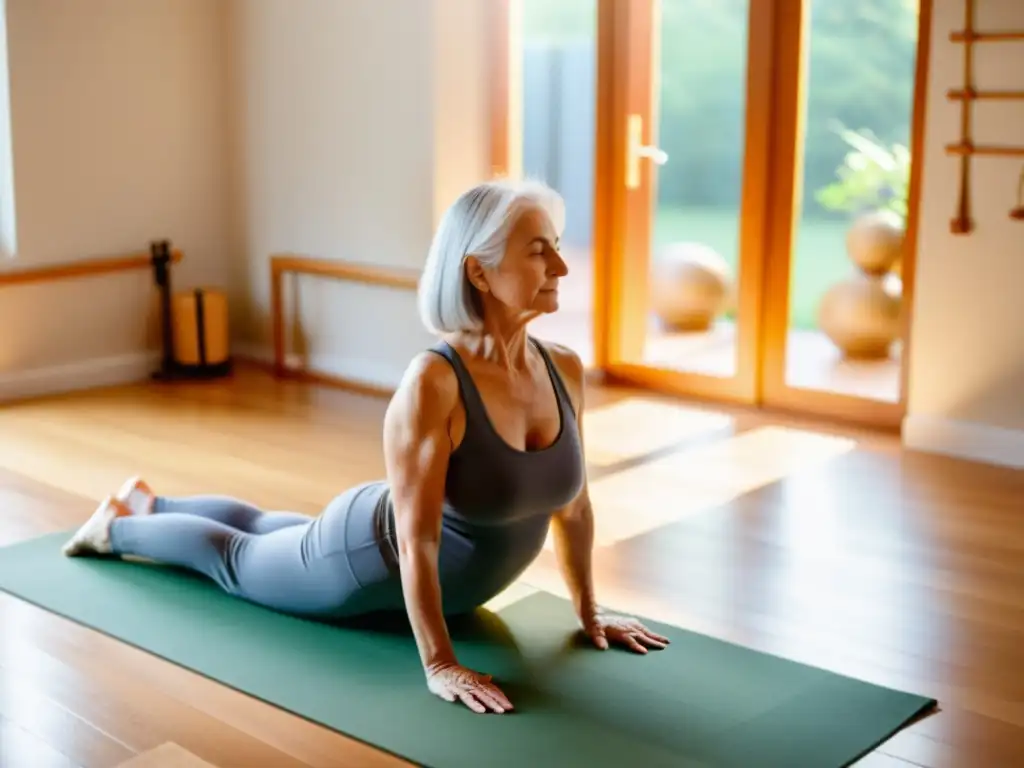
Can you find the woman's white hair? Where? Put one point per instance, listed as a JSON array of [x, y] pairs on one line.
[[477, 224]]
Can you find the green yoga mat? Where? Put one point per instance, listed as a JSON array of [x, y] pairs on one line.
[[701, 702]]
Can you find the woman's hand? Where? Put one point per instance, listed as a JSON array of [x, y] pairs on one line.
[[475, 690], [605, 630]]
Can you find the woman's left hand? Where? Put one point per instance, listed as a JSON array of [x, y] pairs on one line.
[[605, 630]]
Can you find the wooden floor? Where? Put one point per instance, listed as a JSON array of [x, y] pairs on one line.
[[828, 547]]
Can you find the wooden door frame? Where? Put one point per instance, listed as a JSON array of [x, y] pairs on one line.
[[628, 38], [776, 67], [785, 178]]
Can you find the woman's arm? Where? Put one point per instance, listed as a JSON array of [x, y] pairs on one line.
[[572, 527], [573, 532], [416, 450]]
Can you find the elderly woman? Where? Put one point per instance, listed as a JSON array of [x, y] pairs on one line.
[[483, 452]]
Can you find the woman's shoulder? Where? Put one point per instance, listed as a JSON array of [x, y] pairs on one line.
[[428, 388], [570, 367]]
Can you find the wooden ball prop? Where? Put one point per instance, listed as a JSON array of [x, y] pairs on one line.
[[875, 242], [861, 316], [690, 285]]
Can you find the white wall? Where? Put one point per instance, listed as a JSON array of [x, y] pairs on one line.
[[118, 131], [356, 124], [239, 129], [967, 337]]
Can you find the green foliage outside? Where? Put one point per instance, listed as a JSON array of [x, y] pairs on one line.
[[872, 176], [859, 99]]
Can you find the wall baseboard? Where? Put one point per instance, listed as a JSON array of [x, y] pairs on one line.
[[371, 374], [965, 440], [77, 376], [256, 353], [136, 367]]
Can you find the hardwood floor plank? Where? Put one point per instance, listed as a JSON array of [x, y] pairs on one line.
[[919, 749], [168, 755], [25, 702], [89, 674], [977, 739], [19, 748]]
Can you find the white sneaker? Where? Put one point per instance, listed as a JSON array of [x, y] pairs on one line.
[[137, 496], [94, 536]]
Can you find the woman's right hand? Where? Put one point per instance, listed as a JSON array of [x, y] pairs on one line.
[[454, 682]]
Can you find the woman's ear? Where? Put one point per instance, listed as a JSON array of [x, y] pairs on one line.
[[475, 274]]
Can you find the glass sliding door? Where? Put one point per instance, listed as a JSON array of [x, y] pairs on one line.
[[742, 185], [691, 107], [835, 293]]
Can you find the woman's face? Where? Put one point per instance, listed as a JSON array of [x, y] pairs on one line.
[[526, 280]]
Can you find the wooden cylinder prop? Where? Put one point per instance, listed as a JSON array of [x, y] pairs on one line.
[[201, 336]]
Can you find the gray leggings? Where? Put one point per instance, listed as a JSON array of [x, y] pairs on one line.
[[329, 565]]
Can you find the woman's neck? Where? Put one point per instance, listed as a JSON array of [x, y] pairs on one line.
[[505, 344]]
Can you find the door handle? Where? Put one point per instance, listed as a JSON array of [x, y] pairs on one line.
[[636, 150]]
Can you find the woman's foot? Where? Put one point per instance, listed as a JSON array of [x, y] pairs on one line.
[[94, 536], [137, 496]]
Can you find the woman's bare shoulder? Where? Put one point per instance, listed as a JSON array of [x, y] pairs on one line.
[[427, 393], [569, 365]]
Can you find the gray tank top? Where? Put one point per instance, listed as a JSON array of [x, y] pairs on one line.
[[489, 484]]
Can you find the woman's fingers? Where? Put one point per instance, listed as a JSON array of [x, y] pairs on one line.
[[482, 698], [470, 701], [633, 645], [491, 699], [655, 636], [479, 696], [646, 636], [652, 640], [639, 641], [500, 697]]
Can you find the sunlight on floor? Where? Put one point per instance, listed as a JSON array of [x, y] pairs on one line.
[[167, 755], [638, 426], [662, 491], [513, 594], [21, 662]]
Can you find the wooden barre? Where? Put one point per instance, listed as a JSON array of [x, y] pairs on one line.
[[365, 274], [984, 37], [968, 94], [84, 268], [981, 149]]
